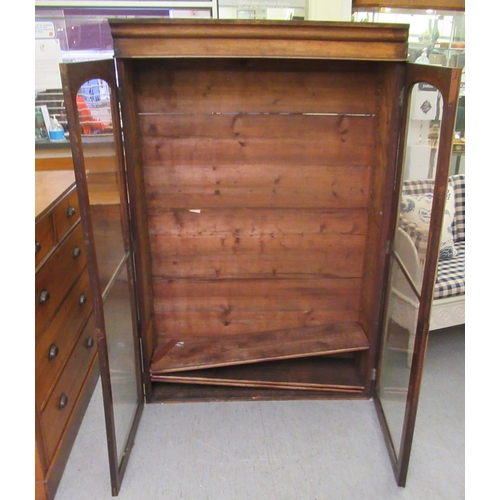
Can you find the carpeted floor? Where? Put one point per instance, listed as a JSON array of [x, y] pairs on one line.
[[284, 450]]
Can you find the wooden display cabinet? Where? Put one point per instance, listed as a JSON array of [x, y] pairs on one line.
[[259, 173]]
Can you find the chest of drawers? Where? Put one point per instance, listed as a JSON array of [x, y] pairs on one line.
[[65, 352]]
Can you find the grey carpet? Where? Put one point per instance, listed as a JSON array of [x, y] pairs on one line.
[[284, 450]]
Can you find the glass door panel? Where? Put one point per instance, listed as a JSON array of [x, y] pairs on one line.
[[400, 328], [430, 101], [404, 317], [97, 153], [118, 318]]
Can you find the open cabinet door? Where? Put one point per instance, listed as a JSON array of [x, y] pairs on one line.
[[430, 101], [90, 94]]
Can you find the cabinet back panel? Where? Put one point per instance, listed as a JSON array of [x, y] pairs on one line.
[[256, 186], [257, 243], [257, 206], [241, 86], [224, 307]]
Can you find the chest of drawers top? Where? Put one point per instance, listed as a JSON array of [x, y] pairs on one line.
[[56, 211], [50, 187]]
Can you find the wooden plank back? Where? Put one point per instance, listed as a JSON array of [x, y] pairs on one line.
[[239, 86], [257, 192], [194, 308], [257, 243]]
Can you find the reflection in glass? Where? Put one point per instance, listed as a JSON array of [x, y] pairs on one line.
[[405, 249], [118, 317], [419, 171], [425, 113], [409, 256], [400, 331], [431, 30], [101, 167], [102, 172], [94, 108], [107, 225]]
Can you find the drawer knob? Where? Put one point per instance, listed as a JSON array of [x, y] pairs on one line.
[[89, 343], [53, 352], [82, 299], [76, 252], [70, 211], [38, 247], [44, 297], [63, 401]]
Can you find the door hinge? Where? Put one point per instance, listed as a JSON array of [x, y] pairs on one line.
[[401, 97], [387, 247], [374, 374]]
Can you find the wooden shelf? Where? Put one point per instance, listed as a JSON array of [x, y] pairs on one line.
[[339, 378], [315, 373], [175, 355], [194, 393]]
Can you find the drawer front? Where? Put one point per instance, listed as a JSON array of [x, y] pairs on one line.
[[66, 214], [44, 238], [61, 402], [55, 344], [56, 276]]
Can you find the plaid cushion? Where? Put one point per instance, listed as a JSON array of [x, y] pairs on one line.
[[450, 279], [458, 227], [418, 186], [422, 186]]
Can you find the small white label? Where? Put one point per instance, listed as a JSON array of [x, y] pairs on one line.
[[44, 29]]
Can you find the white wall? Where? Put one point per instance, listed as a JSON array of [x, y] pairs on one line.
[[328, 10], [313, 10]]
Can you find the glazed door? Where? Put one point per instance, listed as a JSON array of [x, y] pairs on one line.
[[419, 239], [90, 94]]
